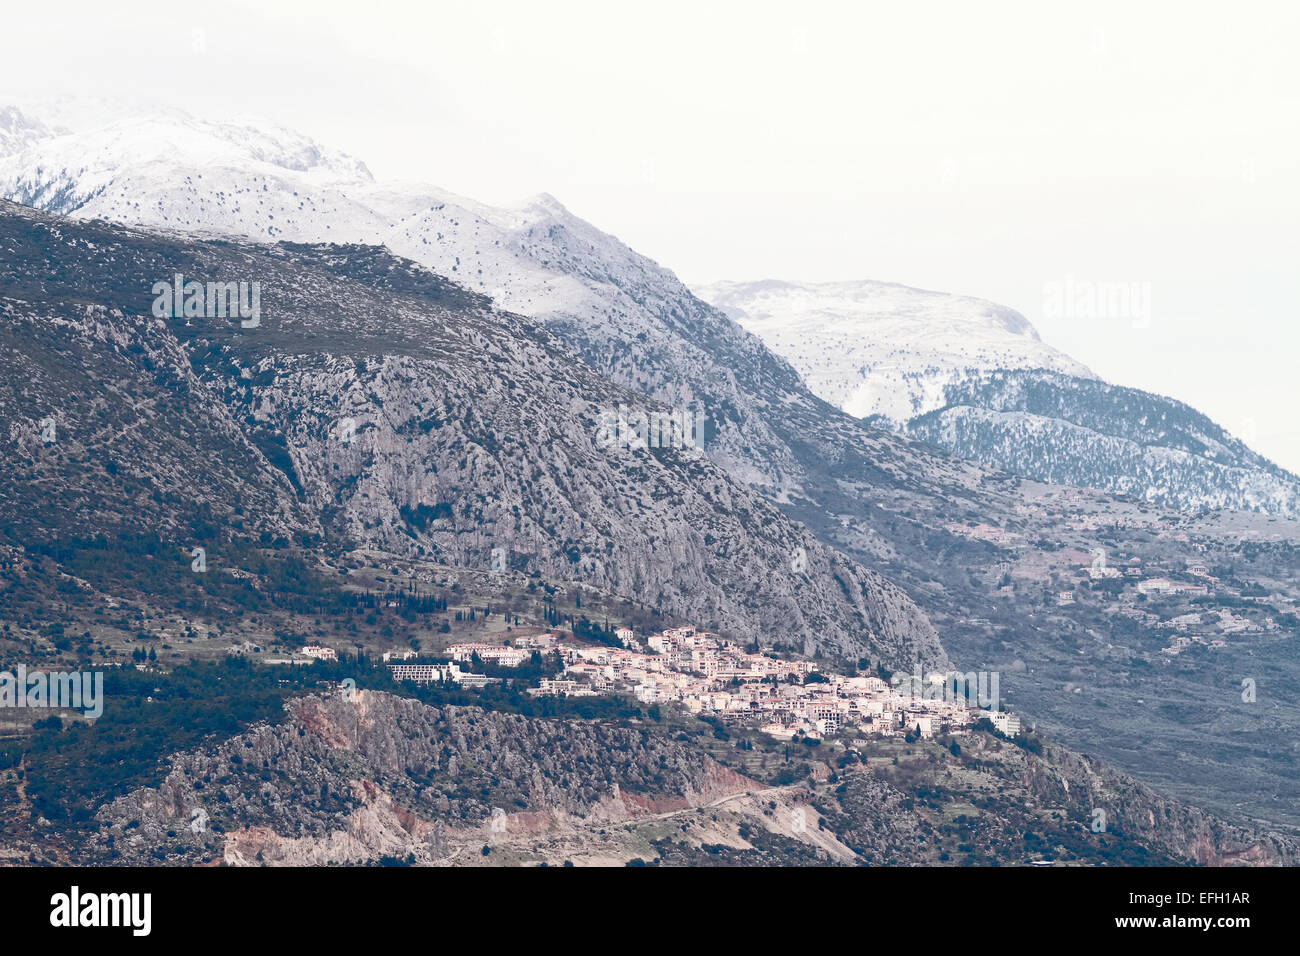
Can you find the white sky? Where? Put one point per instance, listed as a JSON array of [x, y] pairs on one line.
[[985, 149]]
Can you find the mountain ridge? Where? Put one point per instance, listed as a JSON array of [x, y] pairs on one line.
[[434, 379], [949, 370]]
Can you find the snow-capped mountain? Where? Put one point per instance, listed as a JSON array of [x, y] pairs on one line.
[[1074, 431], [171, 171], [973, 377], [880, 349], [880, 352], [888, 503], [106, 172], [18, 131], [626, 316]]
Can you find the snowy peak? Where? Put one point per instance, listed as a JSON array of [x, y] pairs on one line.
[[543, 206], [18, 131], [186, 141], [877, 350], [881, 349], [863, 301], [1066, 430], [168, 170], [64, 171]]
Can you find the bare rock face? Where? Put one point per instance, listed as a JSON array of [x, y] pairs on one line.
[[377, 828], [1187, 833], [871, 495], [368, 776], [380, 406], [112, 428]]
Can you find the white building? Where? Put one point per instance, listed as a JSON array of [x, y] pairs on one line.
[[497, 654], [1007, 724], [557, 687], [426, 673]]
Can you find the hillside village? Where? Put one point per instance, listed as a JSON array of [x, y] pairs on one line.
[[713, 677]]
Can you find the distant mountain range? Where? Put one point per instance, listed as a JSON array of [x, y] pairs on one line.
[[902, 358], [974, 378], [1081, 431], [879, 350]]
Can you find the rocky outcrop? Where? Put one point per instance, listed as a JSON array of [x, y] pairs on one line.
[[1064, 778], [361, 777]]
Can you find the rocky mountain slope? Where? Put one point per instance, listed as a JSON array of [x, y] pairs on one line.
[[1073, 431], [350, 780], [626, 317], [629, 318], [385, 408], [370, 777]]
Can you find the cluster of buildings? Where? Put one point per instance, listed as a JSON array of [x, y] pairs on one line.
[[1181, 643], [988, 532], [715, 677], [1098, 569], [497, 654], [711, 676], [501, 655], [1167, 586]]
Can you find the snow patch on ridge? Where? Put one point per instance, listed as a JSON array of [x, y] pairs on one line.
[[882, 349]]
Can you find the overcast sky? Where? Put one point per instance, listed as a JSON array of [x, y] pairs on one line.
[[985, 149]]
